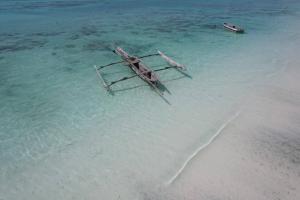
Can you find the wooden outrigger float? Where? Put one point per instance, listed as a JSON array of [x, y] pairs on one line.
[[140, 69]]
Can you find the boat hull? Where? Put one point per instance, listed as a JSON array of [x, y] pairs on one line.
[[138, 67], [233, 28]]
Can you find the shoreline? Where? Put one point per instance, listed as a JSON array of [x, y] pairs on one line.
[[203, 147]]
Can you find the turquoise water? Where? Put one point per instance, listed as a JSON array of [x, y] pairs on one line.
[[63, 137]]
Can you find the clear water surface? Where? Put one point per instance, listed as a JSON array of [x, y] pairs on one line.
[[62, 136]]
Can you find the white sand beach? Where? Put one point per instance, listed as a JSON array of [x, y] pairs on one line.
[[257, 155]]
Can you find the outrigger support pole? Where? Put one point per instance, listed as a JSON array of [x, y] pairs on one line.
[[179, 70], [156, 54], [114, 63], [119, 62], [122, 79], [165, 68], [101, 78], [107, 85]]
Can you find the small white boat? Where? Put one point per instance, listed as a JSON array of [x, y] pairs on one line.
[[233, 28]]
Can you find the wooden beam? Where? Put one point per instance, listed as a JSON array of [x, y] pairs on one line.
[[114, 63], [101, 78], [171, 62], [122, 79]]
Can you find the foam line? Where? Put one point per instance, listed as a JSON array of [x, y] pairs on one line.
[[195, 153]]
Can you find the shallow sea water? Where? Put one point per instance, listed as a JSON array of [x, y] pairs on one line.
[[62, 136]]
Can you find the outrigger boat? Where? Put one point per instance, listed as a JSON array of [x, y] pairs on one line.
[[140, 69], [233, 28]]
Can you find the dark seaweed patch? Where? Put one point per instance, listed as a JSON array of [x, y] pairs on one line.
[[131, 47], [47, 34], [9, 93], [8, 36], [134, 32], [56, 4], [74, 37], [70, 46], [20, 45], [176, 24], [274, 12], [12, 48], [32, 5], [88, 30], [163, 29], [12, 90], [68, 69], [73, 62], [53, 53], [97, 45]]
